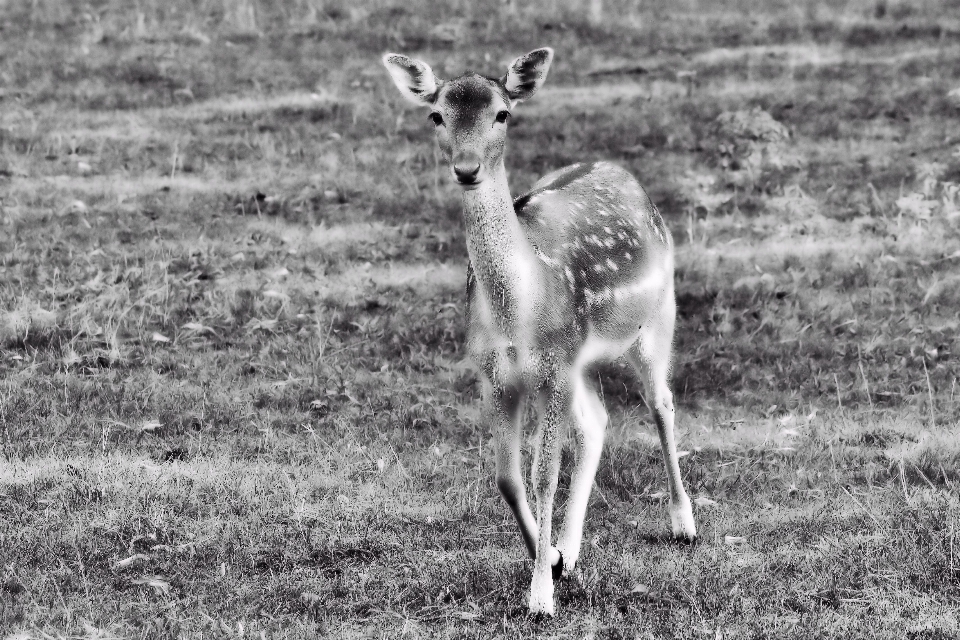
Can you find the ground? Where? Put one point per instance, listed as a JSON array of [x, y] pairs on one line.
[[233, 395]]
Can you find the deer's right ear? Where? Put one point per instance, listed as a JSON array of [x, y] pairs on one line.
[[414, 78]]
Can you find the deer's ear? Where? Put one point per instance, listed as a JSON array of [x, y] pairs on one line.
[[414, 78], [527, 73]]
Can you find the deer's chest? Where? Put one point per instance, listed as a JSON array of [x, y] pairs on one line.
[[518, 330]]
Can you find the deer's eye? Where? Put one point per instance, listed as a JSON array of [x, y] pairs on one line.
[[503, 115], [437, 118]]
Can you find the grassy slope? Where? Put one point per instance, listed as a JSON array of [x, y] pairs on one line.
[[261, 401]]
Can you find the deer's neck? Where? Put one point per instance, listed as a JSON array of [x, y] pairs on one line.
[[503, 260]]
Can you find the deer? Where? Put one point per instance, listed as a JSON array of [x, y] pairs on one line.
[[575, 272]]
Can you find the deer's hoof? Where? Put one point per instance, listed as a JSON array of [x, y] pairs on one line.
[[557, 569], [681, 521]]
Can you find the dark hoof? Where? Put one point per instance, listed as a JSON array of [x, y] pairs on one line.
[[686, 541], [557, 569]]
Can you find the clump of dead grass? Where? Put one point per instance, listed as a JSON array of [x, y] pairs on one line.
[[26, 321]]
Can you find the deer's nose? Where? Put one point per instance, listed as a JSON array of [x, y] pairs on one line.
[[467, 171]]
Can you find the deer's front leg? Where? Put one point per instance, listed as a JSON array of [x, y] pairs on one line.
[[590, 420], [503, 401], [546, 468]]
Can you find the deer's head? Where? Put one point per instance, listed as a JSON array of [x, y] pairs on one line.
[[470, 112]]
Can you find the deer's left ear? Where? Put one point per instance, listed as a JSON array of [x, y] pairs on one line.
[[414, 78], [527, 73]]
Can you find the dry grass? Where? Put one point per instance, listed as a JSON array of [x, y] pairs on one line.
[[232, 396]]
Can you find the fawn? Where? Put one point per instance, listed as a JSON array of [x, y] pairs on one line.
[[576, 271]]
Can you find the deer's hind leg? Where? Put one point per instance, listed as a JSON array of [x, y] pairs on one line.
[[650, 357]]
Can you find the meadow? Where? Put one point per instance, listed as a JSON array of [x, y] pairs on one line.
[[233, 394]]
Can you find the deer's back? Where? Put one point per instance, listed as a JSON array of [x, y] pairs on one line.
[[597, 231]]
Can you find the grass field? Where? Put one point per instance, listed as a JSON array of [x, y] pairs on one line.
[[233, 396]]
